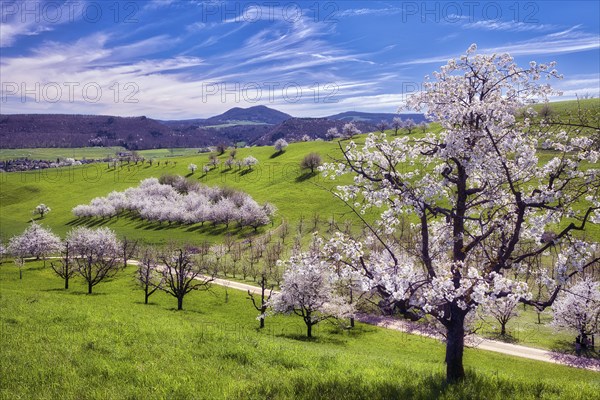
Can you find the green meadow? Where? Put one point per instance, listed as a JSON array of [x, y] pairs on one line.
[[276, 179], [52, 154], [65, 344]]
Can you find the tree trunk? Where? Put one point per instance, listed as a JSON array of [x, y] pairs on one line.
[[180, 303], [66, 282], [20, 273], [352, 322], [502, 329], [146, 296], [455, 345], [262, 322], [89, 287], [309, 323]]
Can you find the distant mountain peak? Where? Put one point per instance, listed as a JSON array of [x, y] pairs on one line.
[[257, 114]]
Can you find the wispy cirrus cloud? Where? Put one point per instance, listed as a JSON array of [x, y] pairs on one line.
[[290, 57], [512, 26], [358, 12], [339, 56], [22, 18], [562, 42]]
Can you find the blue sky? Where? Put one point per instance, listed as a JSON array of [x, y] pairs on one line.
[[191, 59]]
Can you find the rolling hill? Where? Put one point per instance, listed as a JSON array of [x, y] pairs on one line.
[[253, 125], [58, 130]]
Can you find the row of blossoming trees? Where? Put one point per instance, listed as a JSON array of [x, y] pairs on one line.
[[175, 199], [314, 284]]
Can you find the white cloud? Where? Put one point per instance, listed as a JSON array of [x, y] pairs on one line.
[[284, 56], [512, 26], [34, 18], [567, 41], [357, 12]]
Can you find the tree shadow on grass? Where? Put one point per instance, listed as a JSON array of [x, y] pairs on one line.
[[588, 358], [90, 223], [276, 154], [563, 346], [85, 293], [185, 310], [567, 347], [62, 289], [506, 338], [77, 222], [36, 268], [357, 331], [316, 338], [306, 176], [213, 230], [150, 303]]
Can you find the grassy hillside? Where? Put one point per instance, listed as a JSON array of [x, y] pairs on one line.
[[52, 154], [69, 345], [276, 179], [571, 106]]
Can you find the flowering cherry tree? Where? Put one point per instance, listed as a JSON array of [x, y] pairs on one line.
[[578, 309], [36, 241], [332, 133], [96, 252], [502, 309], [41, 209], [280, 145], [409, 125], [349, 130], [249, 162], [192, 168], [382, 126], [308, 291], [480, 197], [397, 124]]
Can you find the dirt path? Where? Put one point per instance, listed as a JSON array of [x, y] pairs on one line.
[[472, 341], [486, 344]]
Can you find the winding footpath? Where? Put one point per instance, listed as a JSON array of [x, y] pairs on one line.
[[472, 341]]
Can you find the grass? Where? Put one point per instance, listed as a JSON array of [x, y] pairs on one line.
[[571, 106], [52, 154], [70, 345], [525, 330], [276, 179]]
